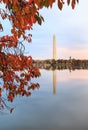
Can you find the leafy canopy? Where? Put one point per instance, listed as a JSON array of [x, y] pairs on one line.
[[16, 70], [23, 14]]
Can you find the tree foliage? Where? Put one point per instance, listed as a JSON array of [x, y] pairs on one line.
[[16, 70], [23, 14]]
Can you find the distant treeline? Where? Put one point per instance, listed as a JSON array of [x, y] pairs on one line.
[[52, 64]]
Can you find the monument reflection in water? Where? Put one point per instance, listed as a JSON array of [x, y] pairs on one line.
[[54, 82]]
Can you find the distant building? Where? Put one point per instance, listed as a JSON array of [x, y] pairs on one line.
[[54, 47]]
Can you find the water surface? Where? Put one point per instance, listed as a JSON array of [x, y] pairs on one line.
[[61, 103]]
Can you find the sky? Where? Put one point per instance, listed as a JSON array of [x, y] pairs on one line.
[[71, 30], [69, 26]]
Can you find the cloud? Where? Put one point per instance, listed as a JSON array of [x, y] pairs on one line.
[[74, 53]]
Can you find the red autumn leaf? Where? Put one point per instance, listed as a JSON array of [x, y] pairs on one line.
[[11, 110], [73, 4]]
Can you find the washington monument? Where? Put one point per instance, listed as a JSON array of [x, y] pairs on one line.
[[54, 47]]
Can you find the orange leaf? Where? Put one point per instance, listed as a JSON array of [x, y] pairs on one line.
[[15, 2]]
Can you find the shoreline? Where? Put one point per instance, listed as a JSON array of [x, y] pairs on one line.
[[51, 64]]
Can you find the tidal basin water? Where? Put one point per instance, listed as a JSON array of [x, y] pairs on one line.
[[61, 103]]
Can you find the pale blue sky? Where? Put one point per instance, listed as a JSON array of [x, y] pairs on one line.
[[69, 26], [71, 30]]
